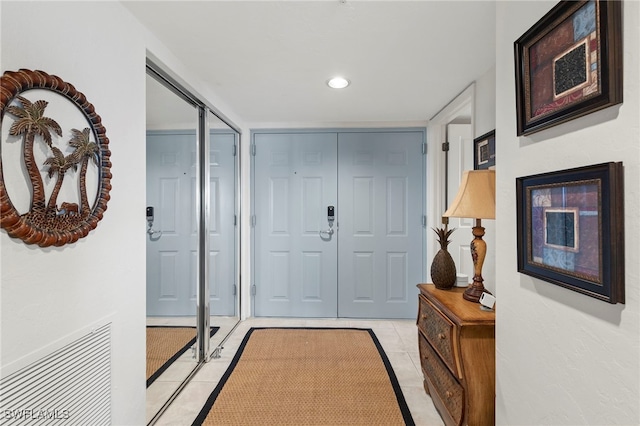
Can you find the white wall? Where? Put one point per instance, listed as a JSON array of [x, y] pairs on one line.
[[564, 358], [485, 121], [485, 109], [49, 294]]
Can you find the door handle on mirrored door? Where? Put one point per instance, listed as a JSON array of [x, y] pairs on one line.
[[330, 218], [153, 234]]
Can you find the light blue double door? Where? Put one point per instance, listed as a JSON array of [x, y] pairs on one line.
[[364, 264], [172, 249]]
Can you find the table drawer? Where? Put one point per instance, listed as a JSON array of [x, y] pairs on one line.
[[439, 331], [446, 391]]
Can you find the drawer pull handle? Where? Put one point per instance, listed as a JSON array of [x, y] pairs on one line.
[[442, 336], [448, 394], [424, 316]]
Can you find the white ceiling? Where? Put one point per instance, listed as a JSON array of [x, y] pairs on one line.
[[269, 60]]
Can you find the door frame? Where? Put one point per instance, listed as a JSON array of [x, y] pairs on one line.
[[252, 150], [462, 105]]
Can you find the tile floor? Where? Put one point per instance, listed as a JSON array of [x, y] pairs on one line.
[[398, 338], [164, 386]]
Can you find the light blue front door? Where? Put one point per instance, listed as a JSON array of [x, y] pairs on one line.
[[381, 233], [222, 223], [170, 280], [295, 266], [172, 249], [369, 266]]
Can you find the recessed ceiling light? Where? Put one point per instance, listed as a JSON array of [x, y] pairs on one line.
[[338, 83]]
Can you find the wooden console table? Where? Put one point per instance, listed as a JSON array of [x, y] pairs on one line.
[[457, 352]]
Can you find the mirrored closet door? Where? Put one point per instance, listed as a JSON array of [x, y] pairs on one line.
[[192, 237]]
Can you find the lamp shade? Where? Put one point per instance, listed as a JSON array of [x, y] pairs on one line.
[[476, 196]]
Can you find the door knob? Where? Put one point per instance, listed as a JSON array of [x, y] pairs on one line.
[[331, 217]]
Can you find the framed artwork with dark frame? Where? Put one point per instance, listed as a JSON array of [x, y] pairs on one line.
[[569, 64], [484, 151], [571, 229]]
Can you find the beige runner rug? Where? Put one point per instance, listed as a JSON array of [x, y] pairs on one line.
[[165, 345], [307, 376]]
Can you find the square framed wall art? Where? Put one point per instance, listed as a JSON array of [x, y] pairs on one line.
[[569, 64], [571, 229]]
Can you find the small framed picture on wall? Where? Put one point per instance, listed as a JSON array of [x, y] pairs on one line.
[[484, 151]]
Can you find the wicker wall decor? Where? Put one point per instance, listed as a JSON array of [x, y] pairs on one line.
[[65, 216]]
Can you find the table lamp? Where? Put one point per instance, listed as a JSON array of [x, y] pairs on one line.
[[476, 199]]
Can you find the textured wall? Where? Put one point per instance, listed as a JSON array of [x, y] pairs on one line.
[[564, 358]]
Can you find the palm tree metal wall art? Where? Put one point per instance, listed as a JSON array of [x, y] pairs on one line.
[[52, 222]]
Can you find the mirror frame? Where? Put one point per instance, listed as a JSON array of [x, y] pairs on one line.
[[204, 352]]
